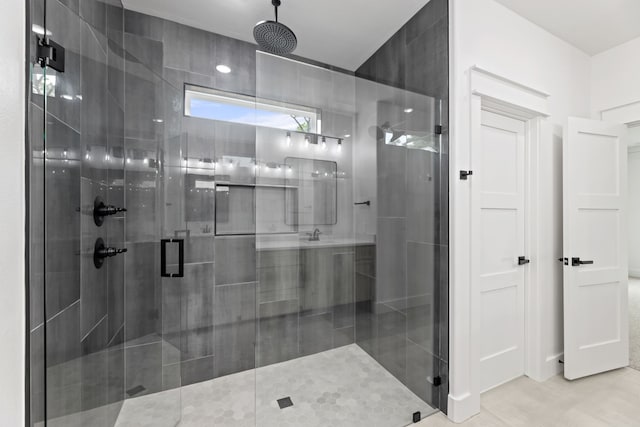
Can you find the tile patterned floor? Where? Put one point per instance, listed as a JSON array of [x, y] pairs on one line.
[[343, 387], [611, 399]]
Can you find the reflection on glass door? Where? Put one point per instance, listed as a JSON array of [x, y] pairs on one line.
[[347, 302]]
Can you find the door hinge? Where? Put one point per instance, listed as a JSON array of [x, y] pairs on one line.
[[437, 381], [438, 130], [50, 54], [464, 175]]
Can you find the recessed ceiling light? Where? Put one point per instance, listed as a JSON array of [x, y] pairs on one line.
[[67, 97], [408, 110], [347, 136], [158, 120], [224, 69]]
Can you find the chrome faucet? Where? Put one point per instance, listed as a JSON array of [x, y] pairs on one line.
[[315, 236]]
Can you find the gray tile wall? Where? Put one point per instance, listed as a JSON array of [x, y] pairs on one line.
[[402, 290], [80, 159], [206, 324]]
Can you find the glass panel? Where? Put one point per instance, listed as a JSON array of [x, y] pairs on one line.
[[347, 311], [88, 364], [156, 310]]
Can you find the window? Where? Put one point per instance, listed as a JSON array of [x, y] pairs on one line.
[[229, 107]]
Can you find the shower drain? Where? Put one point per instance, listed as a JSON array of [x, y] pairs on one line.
[[285, 402]]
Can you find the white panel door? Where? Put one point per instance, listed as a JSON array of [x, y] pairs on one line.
[[596, 326], [498, 229]]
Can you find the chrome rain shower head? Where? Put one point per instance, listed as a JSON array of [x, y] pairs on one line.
[[274, 37]]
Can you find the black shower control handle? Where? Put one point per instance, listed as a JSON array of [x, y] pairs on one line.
[[101, 210], [109, 210], [101, 252], [109, 252]]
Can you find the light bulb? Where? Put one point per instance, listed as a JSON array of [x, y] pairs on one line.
[[288, 139]]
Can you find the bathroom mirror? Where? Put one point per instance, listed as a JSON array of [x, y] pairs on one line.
[[314, 196]]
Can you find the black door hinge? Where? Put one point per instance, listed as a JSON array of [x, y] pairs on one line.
[[437, 381], [50, 54], [438, 130], [464, 175]]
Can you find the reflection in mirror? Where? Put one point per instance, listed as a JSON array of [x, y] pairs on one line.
[[313, 200]]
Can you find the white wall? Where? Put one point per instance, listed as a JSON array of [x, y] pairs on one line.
[[634, 212], [615, 77], [12, 188], [487, 34]]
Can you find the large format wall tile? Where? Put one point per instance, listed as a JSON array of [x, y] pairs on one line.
[[143, 311], [235, 259], [197, 311], [277, 332], [93, 280], [187, 48], [196, 370], [391, 265], [95, 375], [62, 201], [235, 328]]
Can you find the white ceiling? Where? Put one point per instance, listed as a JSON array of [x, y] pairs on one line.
[[591, 25], [343, 33]]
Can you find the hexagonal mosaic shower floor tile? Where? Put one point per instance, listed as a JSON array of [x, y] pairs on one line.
[[344, 387]]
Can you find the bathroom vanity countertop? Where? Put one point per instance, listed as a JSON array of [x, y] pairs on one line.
[[328, 242]]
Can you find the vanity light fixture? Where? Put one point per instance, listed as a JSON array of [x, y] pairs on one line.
[[288, 139], [340, 144], [224, 69], [306, 140], [324, 142]]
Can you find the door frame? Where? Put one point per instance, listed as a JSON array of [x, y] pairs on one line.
[[499, 94]]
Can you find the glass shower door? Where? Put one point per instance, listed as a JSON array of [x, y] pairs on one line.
[[77, 223]]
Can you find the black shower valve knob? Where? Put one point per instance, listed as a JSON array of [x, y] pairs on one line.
[[102, 252], [102, 210], [109, 252], [110, 210]]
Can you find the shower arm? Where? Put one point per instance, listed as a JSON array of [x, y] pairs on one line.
[[276, 4]]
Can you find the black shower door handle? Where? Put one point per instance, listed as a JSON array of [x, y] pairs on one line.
[[163, 257]]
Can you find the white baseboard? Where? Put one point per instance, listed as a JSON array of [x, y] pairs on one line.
[[460, 409], [635, 273], [550, 368]]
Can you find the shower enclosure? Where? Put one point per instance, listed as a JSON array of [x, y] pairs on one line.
[[264, 247]]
